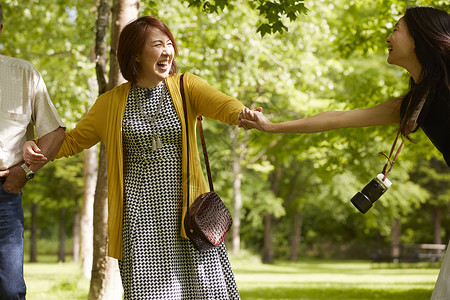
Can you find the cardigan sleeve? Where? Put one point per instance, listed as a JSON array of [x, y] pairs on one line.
[[211, 103], [85, 134]]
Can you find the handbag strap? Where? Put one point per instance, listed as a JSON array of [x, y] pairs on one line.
[[187, 141], [202, 137], [205, 153]]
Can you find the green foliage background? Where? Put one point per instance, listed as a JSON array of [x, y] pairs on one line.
[[331, 56]]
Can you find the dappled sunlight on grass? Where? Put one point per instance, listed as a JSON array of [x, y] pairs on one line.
[[55, 281], [337, 293], [305, 279], [321, 279]]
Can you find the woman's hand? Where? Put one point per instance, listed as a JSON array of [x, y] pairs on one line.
[[31, 153], [254, 119], [248, 114]]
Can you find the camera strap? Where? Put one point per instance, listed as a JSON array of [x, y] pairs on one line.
[[411, 125]]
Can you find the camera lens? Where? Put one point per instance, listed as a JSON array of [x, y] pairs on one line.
[[364, 200], [361, 202]]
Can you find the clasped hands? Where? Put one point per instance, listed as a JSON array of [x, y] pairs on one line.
[[15, 180], [249, 119]]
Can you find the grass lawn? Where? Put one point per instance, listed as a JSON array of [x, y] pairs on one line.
[[306, 279], [49, 280], [340, 280]]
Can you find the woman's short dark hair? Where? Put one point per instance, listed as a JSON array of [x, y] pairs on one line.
[[430, 29], [131, 42]]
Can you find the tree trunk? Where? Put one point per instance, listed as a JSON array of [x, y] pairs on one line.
[[90, 179], [87, 210], [105, 280], [296, 236], [62, 235], [268, 248], [123, 11], [33, 229], [76, 233], [101, 46], [101, 281], [395, 245], [437, 217], [268, 219], [236, 239], [237, 195]]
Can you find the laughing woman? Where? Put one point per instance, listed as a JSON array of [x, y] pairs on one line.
[[142, 124], [420, 44]]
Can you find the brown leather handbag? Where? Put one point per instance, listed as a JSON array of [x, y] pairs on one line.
[[207, 220]]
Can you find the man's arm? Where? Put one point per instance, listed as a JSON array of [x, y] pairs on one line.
[[49, 145]]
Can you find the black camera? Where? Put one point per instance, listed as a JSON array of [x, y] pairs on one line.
[[364, 200]]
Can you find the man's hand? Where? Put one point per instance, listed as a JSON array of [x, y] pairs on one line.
[[15, 179]]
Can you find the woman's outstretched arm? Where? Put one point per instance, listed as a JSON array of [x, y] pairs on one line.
[[384, 113]]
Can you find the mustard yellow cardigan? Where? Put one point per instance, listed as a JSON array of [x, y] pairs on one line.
[[103, 122]]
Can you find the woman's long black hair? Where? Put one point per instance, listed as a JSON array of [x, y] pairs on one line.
[[430, 30]]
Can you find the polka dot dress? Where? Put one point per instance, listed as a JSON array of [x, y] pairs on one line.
[[158, 263]]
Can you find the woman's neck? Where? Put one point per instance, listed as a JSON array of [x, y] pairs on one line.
[[148, 83], [415, 69]]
